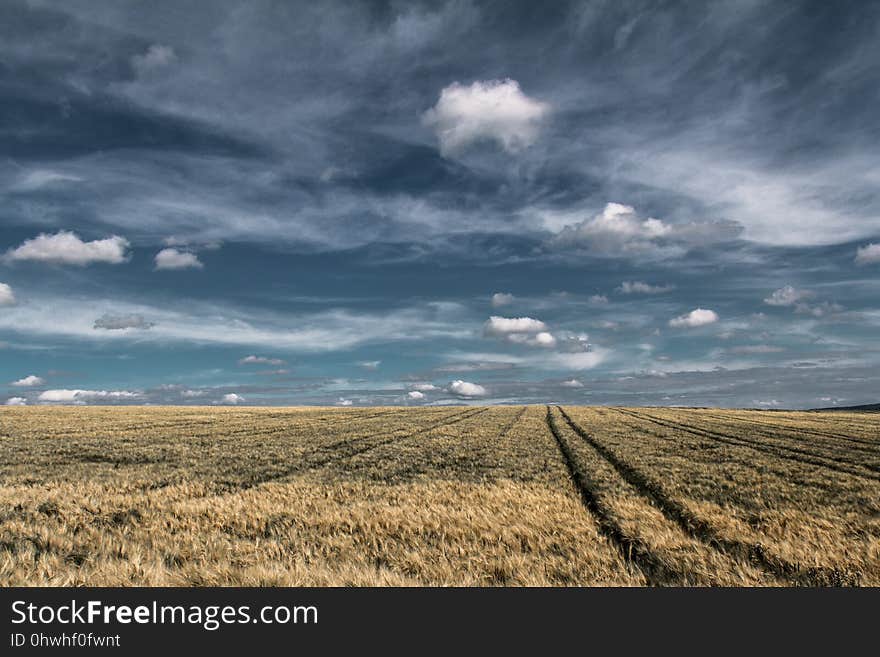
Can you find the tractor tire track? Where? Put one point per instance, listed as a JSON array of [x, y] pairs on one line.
[[512, 423], [699, 529], [870, 446], [801, 456], [634, 551], [333, 449]]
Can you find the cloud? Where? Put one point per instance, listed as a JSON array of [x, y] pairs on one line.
[[696, 317], [81, 396], [619, 231], [154, 59], [819, 309], [40, 178], [231, 398], [425, 387], [502, 326], [110, 322], [542, 339], [16, 401], [572, 383], [466, 389], [66, 248], [638, 287], [344, 402], [31, 380], [176, 259], [495, 110], [369, 364], [415, 394], [598, 300], [787, 296], [868, 254], [7, 297], [755, 349], [501, 299], [260, 360]]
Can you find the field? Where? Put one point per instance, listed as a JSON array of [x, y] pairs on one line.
[[438, 496]]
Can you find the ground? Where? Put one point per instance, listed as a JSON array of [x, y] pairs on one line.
[[538, 495]]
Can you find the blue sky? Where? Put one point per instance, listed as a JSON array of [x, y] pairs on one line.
[[422, 203]]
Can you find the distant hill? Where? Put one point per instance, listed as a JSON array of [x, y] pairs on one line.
[[869, 408]]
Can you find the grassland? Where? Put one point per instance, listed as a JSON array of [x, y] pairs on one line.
[[438, 496]]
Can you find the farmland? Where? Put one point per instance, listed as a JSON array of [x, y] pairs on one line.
[[486, 496]]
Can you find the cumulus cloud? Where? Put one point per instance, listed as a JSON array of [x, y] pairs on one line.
[[369, 364], [156, 57], [787, 296], [28, 381], [572, 383], [466, 389], [868, 254], [425, 387], [66, 248], [639, 287], [696, 317], [7, 297], [343, 402], [16, 401], [415, 395], [81, 396], [502, 326], [260, 360], [501, 299], [110, 322], [231, 398], [176, 259], [598, 300], [542, 339], [495, 110], [619, 231]]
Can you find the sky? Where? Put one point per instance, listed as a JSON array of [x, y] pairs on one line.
[[363, 203]]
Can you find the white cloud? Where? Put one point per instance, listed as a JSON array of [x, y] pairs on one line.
[[619, 231], [31, 380], [189, 394], [598, 300], [502, 326], [572, 383], [81, 396], [16, 401], [344, 402], [110, 322], [369, 364], [868, 254], [66, 248], [542, 339], [176, 259], [787, 296], [260, 360], [466, 389], [232, 398], [696, 317], [40, 178], [496, 110], [7, 297], [425, 387], [415, 394], [639, 287], [154, 59], [755, 349], [501, 299]]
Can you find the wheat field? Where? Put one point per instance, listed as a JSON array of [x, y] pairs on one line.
[[460, 496]]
